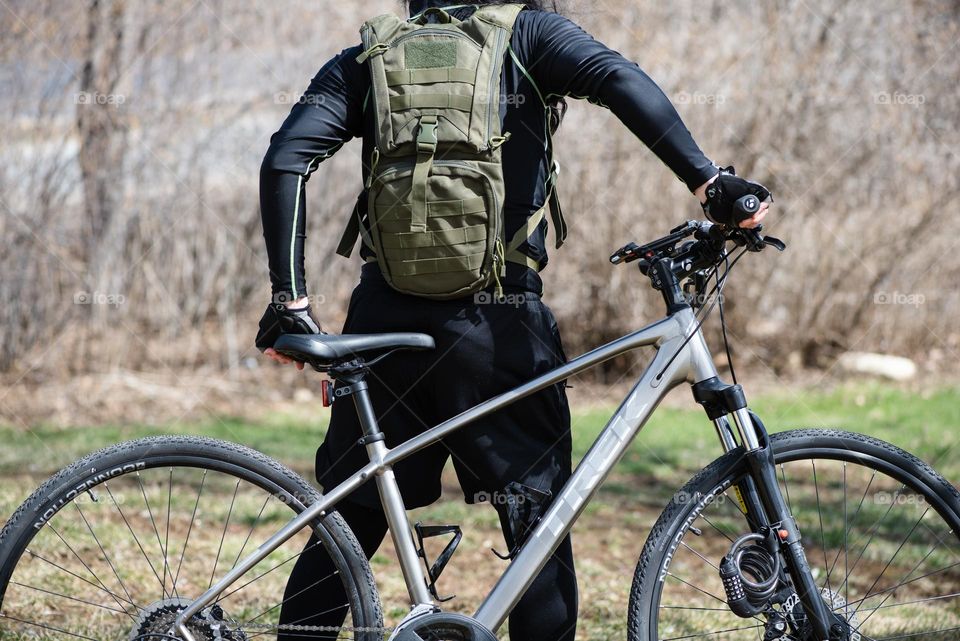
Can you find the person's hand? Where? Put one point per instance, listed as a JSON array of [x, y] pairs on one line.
[[285, 318], [280, 358], [719, 194], [757, 218]]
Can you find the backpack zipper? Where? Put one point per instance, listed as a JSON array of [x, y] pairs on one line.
[[494, 78], [367, 40], [429, 31]]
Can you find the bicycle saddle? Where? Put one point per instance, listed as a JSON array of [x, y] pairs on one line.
[[324, 350]]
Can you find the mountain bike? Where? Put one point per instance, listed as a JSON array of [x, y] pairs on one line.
[[806, 535]]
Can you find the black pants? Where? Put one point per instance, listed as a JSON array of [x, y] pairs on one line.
[[484, 347]]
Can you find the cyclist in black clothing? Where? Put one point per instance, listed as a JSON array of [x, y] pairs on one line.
[[482, 350]]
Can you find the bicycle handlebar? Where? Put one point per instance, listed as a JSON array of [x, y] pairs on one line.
[[705, 251]]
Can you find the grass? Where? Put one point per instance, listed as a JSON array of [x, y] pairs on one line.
[[608, 538]]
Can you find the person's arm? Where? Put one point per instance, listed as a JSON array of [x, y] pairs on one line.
[[327, 115], [566, 61]]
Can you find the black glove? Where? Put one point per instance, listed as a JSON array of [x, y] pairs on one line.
[[279, 320], [725, 191]]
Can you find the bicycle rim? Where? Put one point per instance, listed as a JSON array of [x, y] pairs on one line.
[[878, 529], [116, 551]]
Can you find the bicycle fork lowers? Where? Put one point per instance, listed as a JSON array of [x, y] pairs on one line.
[[752, 571]]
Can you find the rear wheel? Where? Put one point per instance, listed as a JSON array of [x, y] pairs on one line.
[[880, 529], [114, 547]]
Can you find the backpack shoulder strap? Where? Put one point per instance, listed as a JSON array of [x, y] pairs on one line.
[[500, 15]]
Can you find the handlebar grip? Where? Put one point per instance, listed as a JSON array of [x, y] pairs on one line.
[[746, 207]]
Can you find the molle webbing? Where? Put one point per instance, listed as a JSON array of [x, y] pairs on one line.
[[435, 193]]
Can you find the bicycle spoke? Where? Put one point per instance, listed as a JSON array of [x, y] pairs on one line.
[[103, 552], [90, 573], [823, 541], [885, 567], [193, 518], [914, 580], [223, 536], [710, 634], [156, 531], [46, 627], [873, 534], [250, 533], [275, 567], [786, 487], [129, 598], [712, 596], [166, 538], [865, 545], [917, 634], [99, 585], [68, 597], [702, 558], [846, 531], [293, 596], [163, 588], [711, 524]]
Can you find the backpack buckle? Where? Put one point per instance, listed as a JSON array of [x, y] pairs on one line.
[[427, 136]]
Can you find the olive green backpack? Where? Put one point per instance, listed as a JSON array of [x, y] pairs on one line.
[[435, 186]]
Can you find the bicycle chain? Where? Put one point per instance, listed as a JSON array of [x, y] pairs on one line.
[[290, 627]]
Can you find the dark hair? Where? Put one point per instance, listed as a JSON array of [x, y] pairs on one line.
[[558, 106], [415, 6]]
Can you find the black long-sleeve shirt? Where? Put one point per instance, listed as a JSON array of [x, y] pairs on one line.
[[562, 60]]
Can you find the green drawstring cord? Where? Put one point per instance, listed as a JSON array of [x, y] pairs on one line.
[[497, 141], [376, 49], [498, 264], [374, 161]]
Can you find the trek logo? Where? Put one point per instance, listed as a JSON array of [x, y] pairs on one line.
[[90, 482]]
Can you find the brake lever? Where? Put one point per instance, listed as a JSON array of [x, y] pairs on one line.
[[776, 243], [755, 242]]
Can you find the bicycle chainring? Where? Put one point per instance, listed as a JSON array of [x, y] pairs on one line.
[[443, 626]]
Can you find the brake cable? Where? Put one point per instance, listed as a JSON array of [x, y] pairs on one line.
[[723, 321], [703, 317]]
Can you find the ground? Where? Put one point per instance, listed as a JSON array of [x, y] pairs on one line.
[[607, 539]]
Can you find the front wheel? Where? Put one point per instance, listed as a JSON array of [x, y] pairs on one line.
[[880, 529], [115, 546]]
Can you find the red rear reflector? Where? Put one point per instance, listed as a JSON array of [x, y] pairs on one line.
[[326, 393]]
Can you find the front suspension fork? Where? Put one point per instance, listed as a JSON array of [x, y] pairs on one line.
[[764, 503]]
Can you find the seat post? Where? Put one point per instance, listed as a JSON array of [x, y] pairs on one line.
[[390, 498]]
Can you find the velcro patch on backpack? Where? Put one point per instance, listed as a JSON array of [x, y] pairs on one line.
[[427, 54]]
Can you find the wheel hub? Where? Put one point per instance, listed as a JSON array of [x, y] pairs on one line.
[[791, 623]]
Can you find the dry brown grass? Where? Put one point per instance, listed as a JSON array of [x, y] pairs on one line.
[[846, 109]]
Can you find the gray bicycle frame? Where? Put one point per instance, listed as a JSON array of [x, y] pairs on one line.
[[682, 356]]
